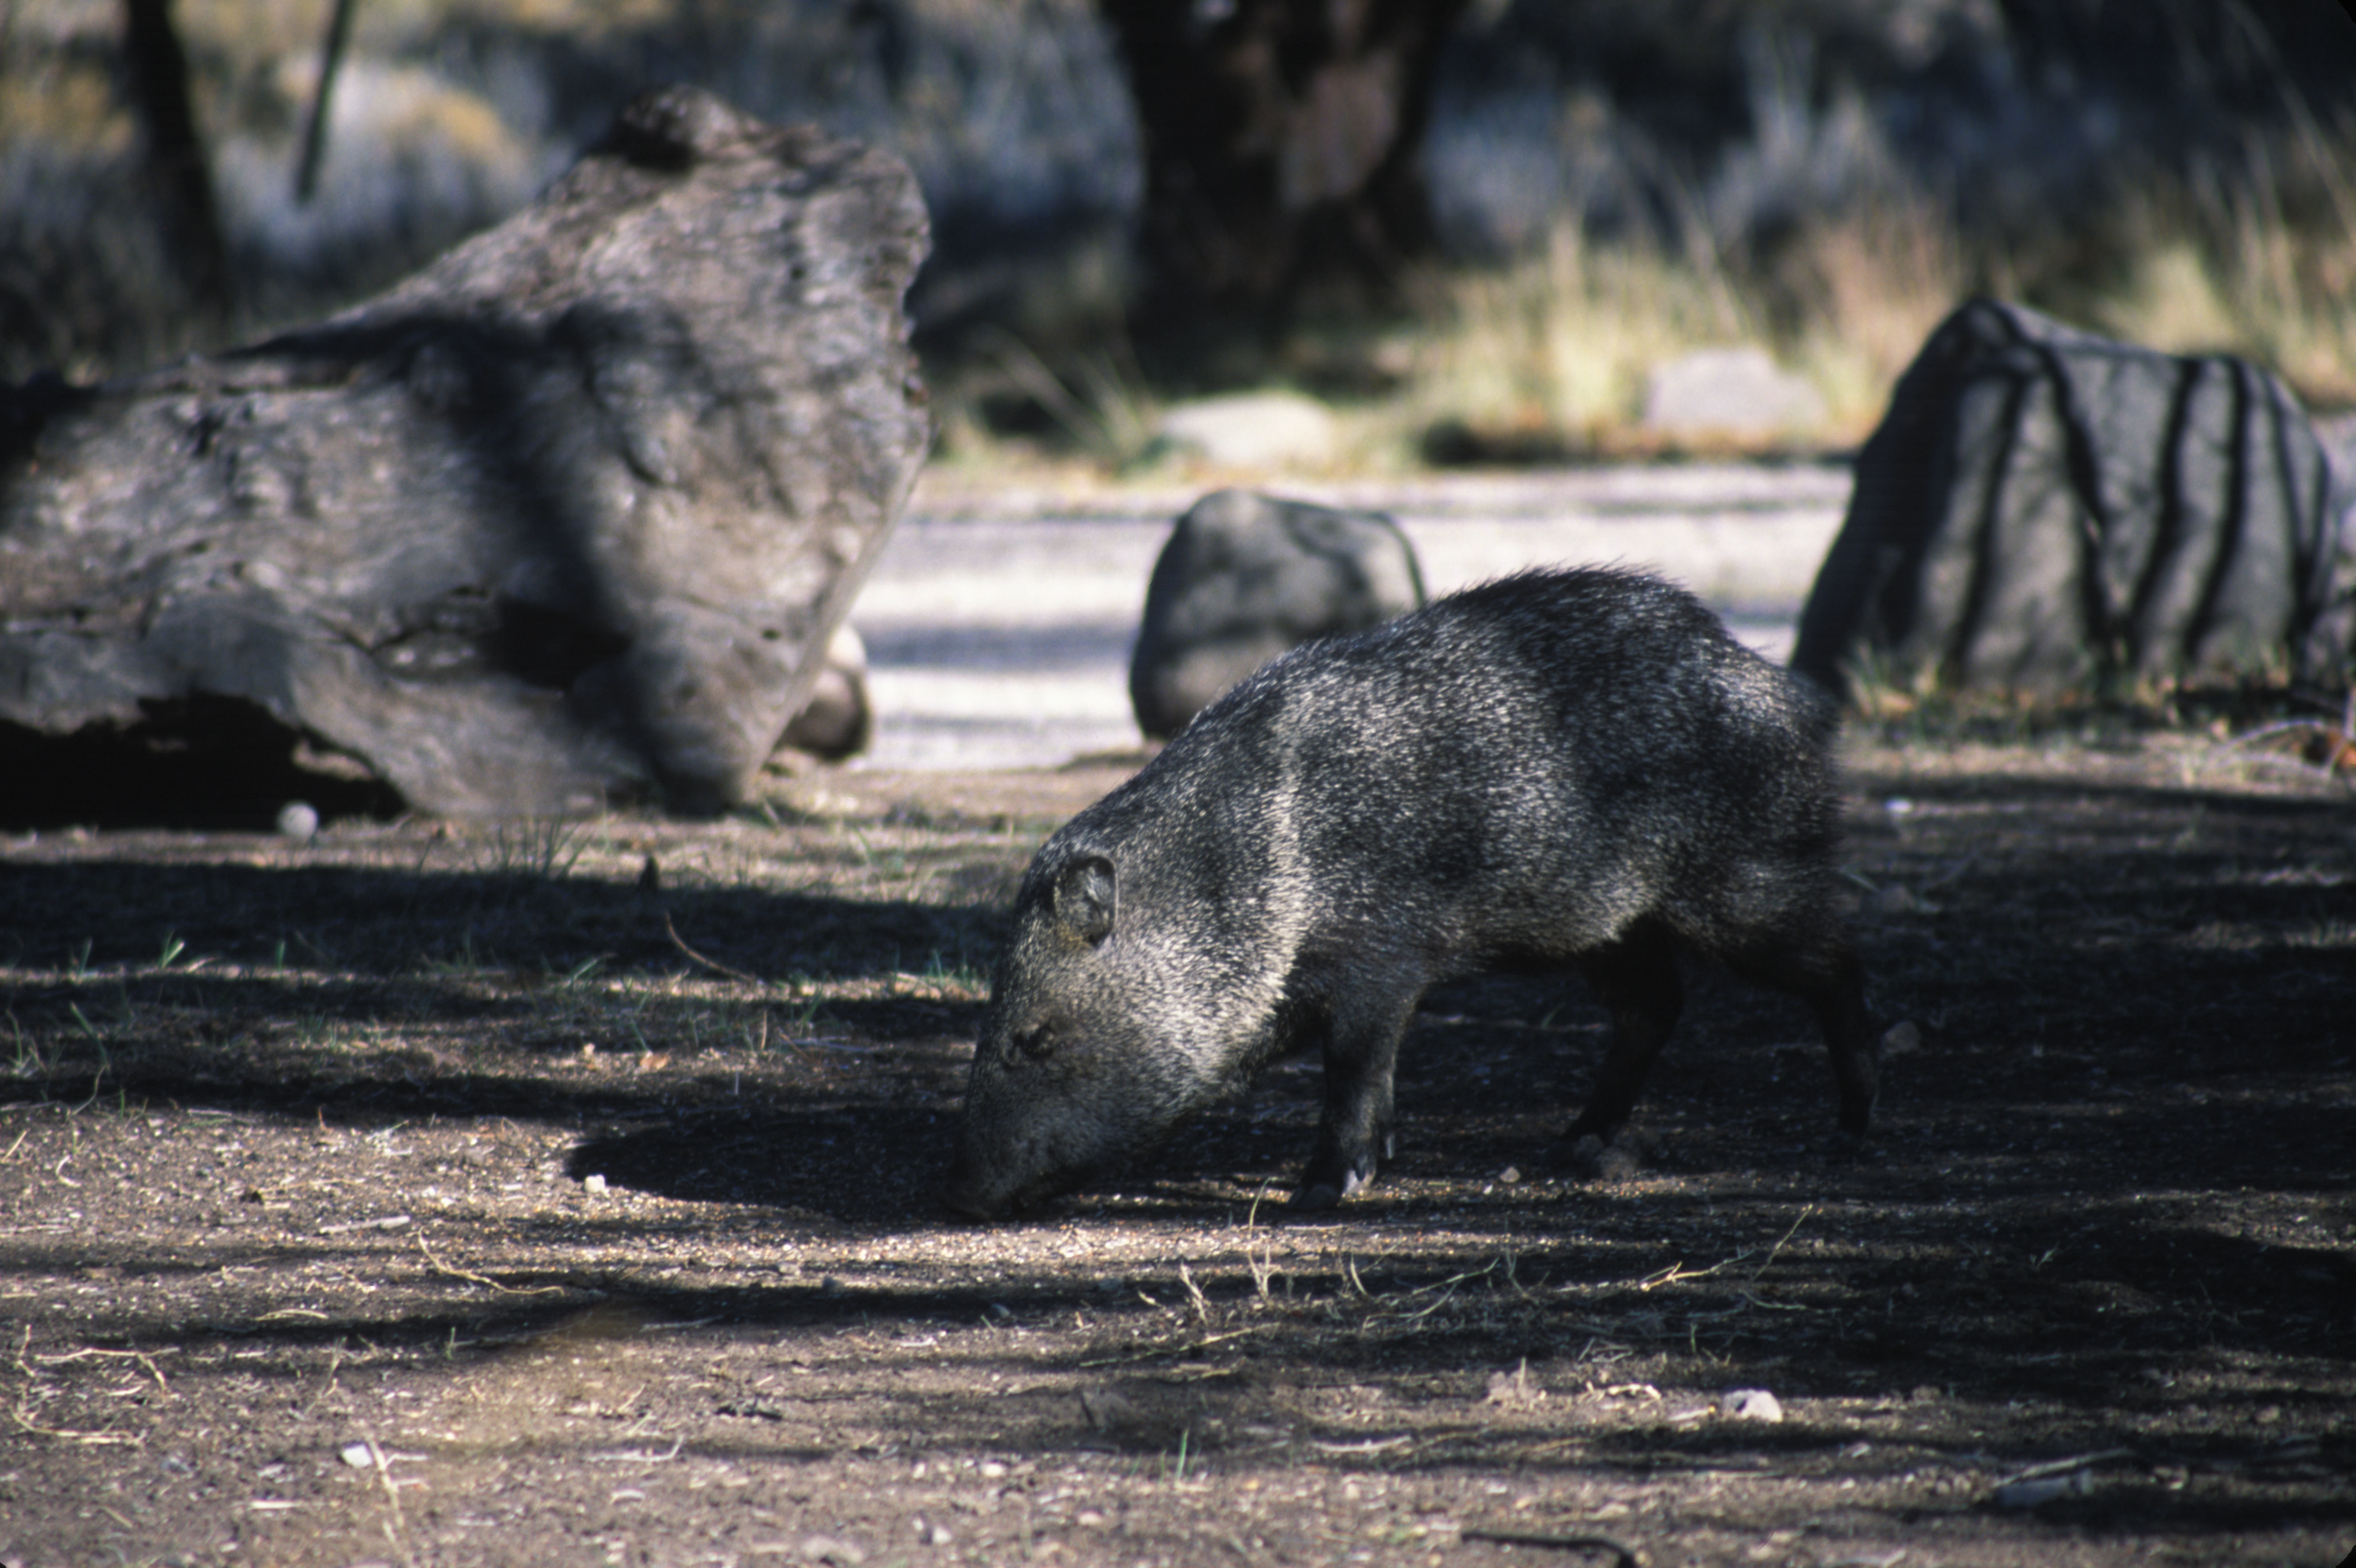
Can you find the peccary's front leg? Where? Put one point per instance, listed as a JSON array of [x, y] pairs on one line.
[[1353, 1137], [1635, 977]]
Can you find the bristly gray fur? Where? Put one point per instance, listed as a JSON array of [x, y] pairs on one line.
[[1572, 769]]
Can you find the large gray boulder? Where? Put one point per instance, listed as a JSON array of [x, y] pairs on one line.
[[567, 518], [2042, 509], [1244, 577]]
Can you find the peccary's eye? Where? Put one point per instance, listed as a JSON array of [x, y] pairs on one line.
[[1037, 1040]]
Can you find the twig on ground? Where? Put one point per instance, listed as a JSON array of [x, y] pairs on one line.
[[1778, 1247], [142, 1357], [712, 964], [471, 1277], [2064, 1466], [88, 1439], [396, 1528], [328, 1384], [1678, 1273]]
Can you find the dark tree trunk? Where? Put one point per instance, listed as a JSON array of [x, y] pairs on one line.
[[1281, 142], [175, 153], [315, 126]]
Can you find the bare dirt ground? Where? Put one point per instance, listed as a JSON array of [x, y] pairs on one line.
[[411, 1197]]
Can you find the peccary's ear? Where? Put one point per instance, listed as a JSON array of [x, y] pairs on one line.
[[1084, 897]]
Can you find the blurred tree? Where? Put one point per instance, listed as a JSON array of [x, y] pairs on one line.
[[176, 154], [1280, 145], [315, 124]]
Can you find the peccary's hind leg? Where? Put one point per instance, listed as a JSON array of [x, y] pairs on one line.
[[1635, 977], [1354, 1135], [1827, 975]]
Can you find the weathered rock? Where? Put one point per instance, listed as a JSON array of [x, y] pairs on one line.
[[838, 719], [2042, 509], [1244, 576], [567, 517]]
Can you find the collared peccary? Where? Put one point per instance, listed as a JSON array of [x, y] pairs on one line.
[[1572, 769]]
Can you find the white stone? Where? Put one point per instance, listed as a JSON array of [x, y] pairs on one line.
[[1253, 430], [1751, 1404], [1738, 393]]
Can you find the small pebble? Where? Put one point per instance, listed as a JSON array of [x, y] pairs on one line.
[[357, 1455], [1895, 899], [298, 820], [2042, 1489], [593, 1182], [1751, 1404]]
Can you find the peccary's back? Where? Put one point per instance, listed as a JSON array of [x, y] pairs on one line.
[[1516, 772]]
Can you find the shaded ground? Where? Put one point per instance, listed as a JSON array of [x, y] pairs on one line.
[[413, 1197]]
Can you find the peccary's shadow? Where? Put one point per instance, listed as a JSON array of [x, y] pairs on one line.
[[868, 1166], [510, 906]]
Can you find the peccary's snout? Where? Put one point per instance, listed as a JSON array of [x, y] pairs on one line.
[[1030, 1133], [995, 1167], [967, 1191], [966, 1203], [967, 1195]]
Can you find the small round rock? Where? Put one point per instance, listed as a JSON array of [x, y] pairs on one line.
[[299, 820]]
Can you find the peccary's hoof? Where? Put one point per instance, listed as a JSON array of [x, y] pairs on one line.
[[1592, 1157], [1314, 1199], [1846, 1148]]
